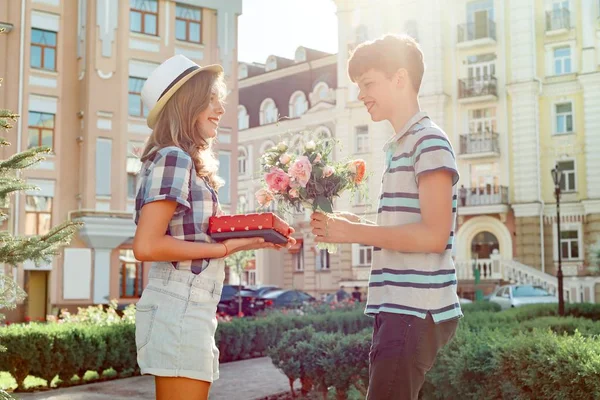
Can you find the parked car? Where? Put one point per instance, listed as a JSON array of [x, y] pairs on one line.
[[228, 303], [261, 290], [282, 299], [509, 296]]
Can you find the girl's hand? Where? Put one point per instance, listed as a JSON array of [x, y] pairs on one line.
[[235, 245], [348, 216]]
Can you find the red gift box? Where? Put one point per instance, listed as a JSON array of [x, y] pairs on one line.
[[266, 225]]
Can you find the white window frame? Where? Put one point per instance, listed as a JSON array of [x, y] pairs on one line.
[[485, 121], [263, 111], [562, 61], [357, 249], [322, 260], [555, 104], [549, 49], [319, 93], [573, 226], [298, 259], [296, 145], [299, 94], [242, 161], [300, 55], [243, 119], [359, 137], [266, 145], [271, 64], [572, 175]]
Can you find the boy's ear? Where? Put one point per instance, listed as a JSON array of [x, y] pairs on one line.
[[401, 78]]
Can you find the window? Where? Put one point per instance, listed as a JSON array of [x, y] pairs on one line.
[[103, 166], [242, 71], [298, 104], [567, 183], [225, 173], [43, 49], [41, 129], [242, 204], [362, 139], [271, 64], [361, 255], [564, 118], [38, 215], [482, 120], [298, 257], [131, 275], [300, 55], [136, 107], [321, 91], [322, 261], [268, 112], [143, 16], [562, 60], [134, 152], [242, 161], [243, 118], [188, 23], [569, 244]]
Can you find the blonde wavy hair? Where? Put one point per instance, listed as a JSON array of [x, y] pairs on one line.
[[177, 124]]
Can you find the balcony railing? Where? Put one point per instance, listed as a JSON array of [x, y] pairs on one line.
[[558, 19], [482, 196], [479, 86], [479, 142], [476, 30]]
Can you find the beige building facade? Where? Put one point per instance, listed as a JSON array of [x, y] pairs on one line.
[[74, 71]]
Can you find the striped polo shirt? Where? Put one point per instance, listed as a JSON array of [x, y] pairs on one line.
[[414, 283]]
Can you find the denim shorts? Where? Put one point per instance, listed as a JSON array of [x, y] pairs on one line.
[[175, 322]]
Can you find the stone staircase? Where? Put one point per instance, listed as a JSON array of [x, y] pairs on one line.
[[577, 289]]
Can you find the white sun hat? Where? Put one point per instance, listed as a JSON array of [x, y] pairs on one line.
[[166, 79]]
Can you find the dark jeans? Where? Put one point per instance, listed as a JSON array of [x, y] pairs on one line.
[[404, 348]]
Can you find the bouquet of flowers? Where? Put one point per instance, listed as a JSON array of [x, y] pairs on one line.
[[308, 177]]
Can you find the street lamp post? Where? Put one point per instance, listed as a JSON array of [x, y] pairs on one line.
[[557, 177]]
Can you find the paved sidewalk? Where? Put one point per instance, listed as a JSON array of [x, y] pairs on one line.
[[241, 380]]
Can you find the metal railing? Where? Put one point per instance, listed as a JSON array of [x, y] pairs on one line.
[[479, 142], [478, 86], [482, 196], [558, 19]]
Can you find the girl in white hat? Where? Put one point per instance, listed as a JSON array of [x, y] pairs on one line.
[[177, 193]]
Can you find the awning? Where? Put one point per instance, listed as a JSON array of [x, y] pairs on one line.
[[297, 247]]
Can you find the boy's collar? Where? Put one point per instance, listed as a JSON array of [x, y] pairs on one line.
[[415, 118]]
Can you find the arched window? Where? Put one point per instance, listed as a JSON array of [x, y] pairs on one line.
[[271, 64], [242, 71], [321, 90], [268, 112], [300, 55], [298, 104], [323, 133], [297, 145], [242, 161], [266, 145], [243, 118]]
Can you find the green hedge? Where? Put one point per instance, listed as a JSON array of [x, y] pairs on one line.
[[524, 353], [68, 349]]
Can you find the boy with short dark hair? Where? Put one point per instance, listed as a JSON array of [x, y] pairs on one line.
[[412, 286]]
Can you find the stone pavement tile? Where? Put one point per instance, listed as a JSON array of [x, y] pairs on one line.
[[241, 380]]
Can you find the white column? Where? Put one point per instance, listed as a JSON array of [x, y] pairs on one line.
[[591, 104], [588, 30], [101, 276]]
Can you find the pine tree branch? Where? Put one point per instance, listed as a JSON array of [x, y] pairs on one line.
[[23, 160], [15, 250]]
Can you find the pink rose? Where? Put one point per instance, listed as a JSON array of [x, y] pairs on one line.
[[293, 193], [285, 158], [300, 170], [264, 197], [277, 180], [328, 171]]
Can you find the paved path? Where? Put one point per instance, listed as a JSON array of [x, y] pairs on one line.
[[241, 380]]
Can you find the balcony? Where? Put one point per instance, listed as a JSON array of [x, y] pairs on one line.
[[483, 200], [479, 145], [558, 21], [476, 34], [478, 89]]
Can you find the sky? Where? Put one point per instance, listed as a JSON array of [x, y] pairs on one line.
[[278, 27]]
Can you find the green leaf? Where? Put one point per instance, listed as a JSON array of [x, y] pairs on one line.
[[318, 172], [324, 204]]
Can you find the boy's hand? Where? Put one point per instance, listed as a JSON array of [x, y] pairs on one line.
[[329, 229]]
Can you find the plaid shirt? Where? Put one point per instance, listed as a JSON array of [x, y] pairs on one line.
[[168, 176]]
